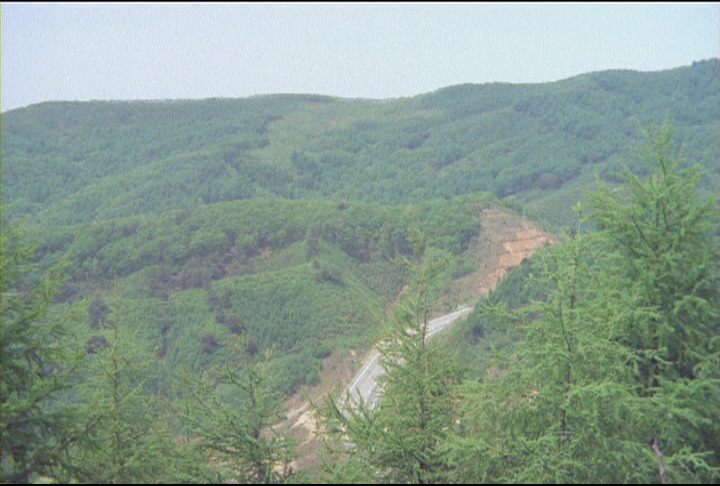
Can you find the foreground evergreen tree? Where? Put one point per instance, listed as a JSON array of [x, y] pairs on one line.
[[36, 431], [618, 372], [562, 407], [662, 241], [128, 438], [660, 234], [66, 416], [401, 438], [236, 418]]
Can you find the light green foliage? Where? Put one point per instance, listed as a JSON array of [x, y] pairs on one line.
[[283, 220], [663, 239], [661, 233], [36, 368], [235, 417], [78, 162], [562, 404], [127, 433], [402, 438], [294, 274], [620, 349]]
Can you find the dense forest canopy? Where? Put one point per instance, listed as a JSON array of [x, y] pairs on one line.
[[67, 163], [171, 271]]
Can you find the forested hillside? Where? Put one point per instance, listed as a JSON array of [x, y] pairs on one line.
[[538, 145], [299, 277], [171, 271], [596, 361]]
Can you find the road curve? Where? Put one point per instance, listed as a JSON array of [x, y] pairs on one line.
[[506, 240], [365, 384]]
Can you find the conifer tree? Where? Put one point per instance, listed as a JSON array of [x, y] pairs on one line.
[[618, 368], [401, 438], [128, 438], [36, 431], [562, 408], [661, 236], [236, 414]]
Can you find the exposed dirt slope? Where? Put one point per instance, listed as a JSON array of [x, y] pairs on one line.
[[505, 240]]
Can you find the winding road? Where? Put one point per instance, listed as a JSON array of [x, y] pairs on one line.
[[505, 241], [365, 384]]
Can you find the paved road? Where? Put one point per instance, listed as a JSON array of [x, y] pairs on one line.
[[365, 382]]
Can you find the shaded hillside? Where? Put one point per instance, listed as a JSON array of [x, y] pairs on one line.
[[506, 240], [539, 145]]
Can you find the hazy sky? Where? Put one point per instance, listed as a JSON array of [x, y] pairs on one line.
[[351, 50]]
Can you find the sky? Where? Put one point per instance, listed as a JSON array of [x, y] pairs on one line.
[[65, 51]]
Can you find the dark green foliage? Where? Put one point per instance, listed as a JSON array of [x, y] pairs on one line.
[[127, 434], [98, 312], [662, 236], [209, 343], [484, 332], [273, 270], [665, 250], [402, 439], [96, 344], [74, 412], [283, 221]]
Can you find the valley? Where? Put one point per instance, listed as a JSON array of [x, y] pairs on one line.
[[507, 240]]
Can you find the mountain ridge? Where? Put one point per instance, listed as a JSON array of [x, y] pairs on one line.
[[67, 162]]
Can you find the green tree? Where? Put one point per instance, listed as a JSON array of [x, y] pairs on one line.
[[128, 436], [401, 438], [236, 417], [621, 353], [662, 239], [36, 368], [561, 406], [660, 233]]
